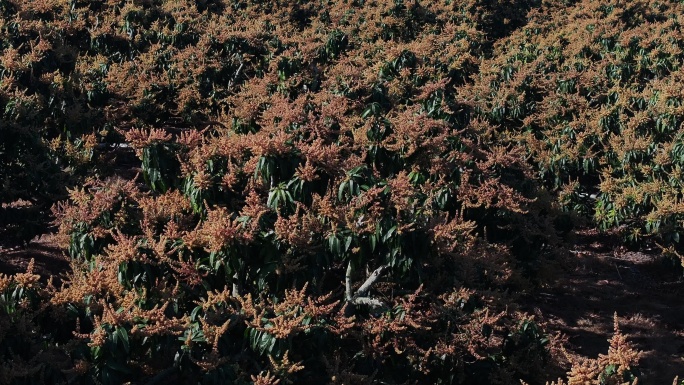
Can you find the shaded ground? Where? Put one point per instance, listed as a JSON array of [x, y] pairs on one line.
[[645, 290], [18, 240], [49, 259]]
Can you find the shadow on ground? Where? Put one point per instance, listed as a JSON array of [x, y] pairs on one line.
[[642, 288], [49, 260]]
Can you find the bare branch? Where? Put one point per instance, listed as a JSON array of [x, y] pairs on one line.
[[360, 297], [368, 301], [237, 73], [348, 283], [363, 290], [237, 287]]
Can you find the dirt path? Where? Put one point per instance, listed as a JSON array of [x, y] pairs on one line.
[[645, 291]]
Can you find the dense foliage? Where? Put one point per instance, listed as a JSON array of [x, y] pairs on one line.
[[328, 191], [594, 92]]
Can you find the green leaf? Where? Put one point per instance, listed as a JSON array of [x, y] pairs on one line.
[[122, 335], [373, 239], [334, 244], [195, 312], [260, 341], [389, 233], [347, 243]]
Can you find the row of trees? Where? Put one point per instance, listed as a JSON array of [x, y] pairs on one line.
[[328, 191]]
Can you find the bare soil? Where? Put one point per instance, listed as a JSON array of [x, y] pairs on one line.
[[49, 259], [644, 289]]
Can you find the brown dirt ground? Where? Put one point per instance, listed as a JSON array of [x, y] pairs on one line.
[[598, 281], [645, 291], [49, 260]]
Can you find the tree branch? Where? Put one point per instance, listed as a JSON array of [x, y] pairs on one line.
[[348, 283], [368, 301], [237, 73], [237, 287], [361, 296], [363, 290]]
